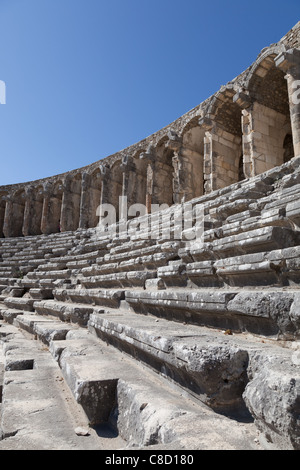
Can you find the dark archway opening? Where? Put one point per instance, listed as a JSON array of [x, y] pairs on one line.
[[288, 148], [241, 168]]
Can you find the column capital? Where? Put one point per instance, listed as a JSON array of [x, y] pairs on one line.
[[85, 180], [104, 170], [242, 99], [206, 122], [127, 164], [174, 141], [287, 60], [66, 183], [149, 155], [47, 189], [29, 192]]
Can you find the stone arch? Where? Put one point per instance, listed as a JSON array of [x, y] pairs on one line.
[[223, 139], [192, 151], [163, 173], [266, 122]]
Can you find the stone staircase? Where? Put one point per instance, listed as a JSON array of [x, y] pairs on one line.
[[171, 342]]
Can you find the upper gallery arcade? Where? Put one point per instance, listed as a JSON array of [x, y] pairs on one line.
[[249, 126]]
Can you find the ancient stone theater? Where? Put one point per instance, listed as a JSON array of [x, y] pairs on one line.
[[151, 300]]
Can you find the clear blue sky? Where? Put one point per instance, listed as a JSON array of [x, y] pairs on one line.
[[86, 78]]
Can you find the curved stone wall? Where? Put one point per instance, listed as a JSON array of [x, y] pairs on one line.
[[249, 126]]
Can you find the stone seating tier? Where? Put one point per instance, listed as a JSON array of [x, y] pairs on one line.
[[214, 320]]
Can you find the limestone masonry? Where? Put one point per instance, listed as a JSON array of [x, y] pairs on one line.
[[134, 339]]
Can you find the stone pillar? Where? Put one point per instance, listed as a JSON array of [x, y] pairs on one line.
[[14, 214], [8, 217], [208, 164], [243, 100], [28, 212], [51, 212], [248, 143], [66, 208], [85, 202], [45, 222], [2, 213], [188, 171], [104, 175], [129, 175], [104, 198], [181, 177], [32, 212], [149, 158], [222, 152], [289, 62]]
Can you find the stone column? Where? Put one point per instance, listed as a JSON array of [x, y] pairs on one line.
[[129, 174], [104, 198], [85, 203], [289, 62], [149, 158], [243, 100], [28, 212], [8, 217], [46, 227], [45, 213], [188, 171], [2, 213], [180, 175], [32, 212], [14, 214], [104, 176], [66, 208], [208, 165]]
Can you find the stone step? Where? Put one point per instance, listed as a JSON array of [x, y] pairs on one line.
[[224, 371], [140, 263], [45, 328], [274, 268], [168, 247], [270, 312], [20, 303], [40, 293], [6, 281], [102, 297], [50, 275], [9, 314], [266, 239], [279, 267], [14, 291], [113, 389], [275, 217], [118, 280], [56, 265], [46, 416], [67, 312], [146, 408]]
